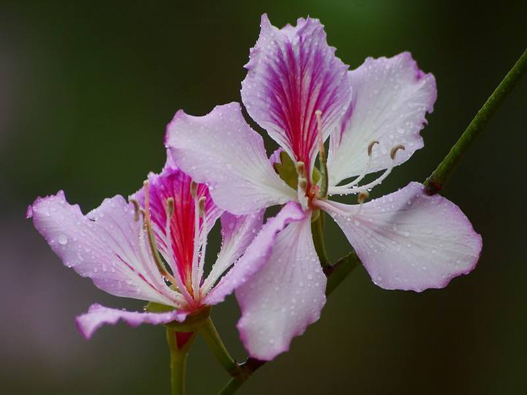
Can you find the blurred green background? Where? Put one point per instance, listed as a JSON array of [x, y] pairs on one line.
[[86, 89]]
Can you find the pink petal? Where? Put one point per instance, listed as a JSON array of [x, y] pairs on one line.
[[256, 255], [237, 234], [221, 150], [391, 97], [99, 315], [173, 183], [285, 296], [409, 240], [104, 245], [292, 73]]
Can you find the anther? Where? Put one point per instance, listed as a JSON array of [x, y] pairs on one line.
[[302, 184], [137, 209], [395, 149], [170, 207], [201, 206], [370, 147], [363, 196], [322, 156], [301, 169], [193, 189]]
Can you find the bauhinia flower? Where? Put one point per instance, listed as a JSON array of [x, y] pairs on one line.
[[153, 247], [300, 93]]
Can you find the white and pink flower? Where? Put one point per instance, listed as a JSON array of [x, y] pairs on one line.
[[301, 94], [153, 247]]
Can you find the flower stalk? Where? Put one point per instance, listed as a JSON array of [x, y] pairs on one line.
[[436, 182], [178, 360], [213, 340], [338, 272]]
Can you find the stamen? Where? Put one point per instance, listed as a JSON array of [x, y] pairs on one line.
[[321, 148], [169, 207], [192, 277], [193, 189], [201, 206], [322, 156], [370, 147], [200, 245], [151, 239], [363, 196], [345, 190], [137, 209], [395, 149], [301, 192], [364, 172], [301, 169]]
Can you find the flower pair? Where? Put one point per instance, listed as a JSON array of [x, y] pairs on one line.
[[153, 246]]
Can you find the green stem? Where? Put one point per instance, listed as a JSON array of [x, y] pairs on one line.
[[317, 229], [212, 337], [232, 386], [442, 173], [247, 368], [178, 361], [338, 272]]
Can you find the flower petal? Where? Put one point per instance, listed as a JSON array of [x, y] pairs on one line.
[[256, 255], [391, 97], [173, 183], [237, 234], [409, 240], [292, 73], [99, 315], [285, 296], [221, 150], [104, 245]]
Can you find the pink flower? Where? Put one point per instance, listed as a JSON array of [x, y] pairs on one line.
[[300, 93], [123, 246]]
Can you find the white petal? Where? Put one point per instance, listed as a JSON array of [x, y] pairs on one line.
[[221, 150], [285, 296], [409, 240], [390, 100]]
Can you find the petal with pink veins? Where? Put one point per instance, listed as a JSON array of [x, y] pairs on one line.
[[107, 245], [176, 242], [256, 255], [221, 150], [408, 240], [99, 315], [285, 296], [237, 234], [391, 97], [292, 73]]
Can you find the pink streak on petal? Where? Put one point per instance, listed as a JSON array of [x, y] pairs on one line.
[[293, 72], [411, 241], [99, 315], [391, 98], [173, 183], [221, 150], [285, 296], [256, 255], [103, 245]]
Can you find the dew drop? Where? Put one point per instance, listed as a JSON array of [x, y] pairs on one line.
[[63, 240]]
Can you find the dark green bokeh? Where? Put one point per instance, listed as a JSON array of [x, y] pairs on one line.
[[86, 89]]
